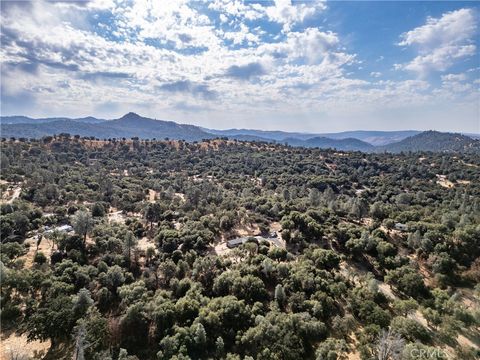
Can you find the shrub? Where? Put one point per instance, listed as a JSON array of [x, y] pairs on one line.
[[40, 258]]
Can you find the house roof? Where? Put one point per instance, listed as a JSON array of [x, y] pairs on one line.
[[240, 240]]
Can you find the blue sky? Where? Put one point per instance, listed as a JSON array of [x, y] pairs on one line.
[[304, 66]]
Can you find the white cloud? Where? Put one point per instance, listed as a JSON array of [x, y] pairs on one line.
[[312, 45], [453, 84], [454, 77], [439, 59], [169, 22], [441, 41], [128, 70], [173, 60], [243, 35], [237, 9], [452, 28], [284, 12], [223, 18], [288, 14]]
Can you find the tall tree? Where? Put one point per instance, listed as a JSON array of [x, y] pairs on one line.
[[130, 242], [280, 296], [82, 223], [152, 213]]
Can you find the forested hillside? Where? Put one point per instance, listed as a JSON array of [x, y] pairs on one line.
[[119, 250], [348, 144], [133, 125], [129, 125], [434, 141]]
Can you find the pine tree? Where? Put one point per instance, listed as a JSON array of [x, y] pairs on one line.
[[130, 243], [219, 347], [200, 335], [82, 223], [82, 302], [280, 296]]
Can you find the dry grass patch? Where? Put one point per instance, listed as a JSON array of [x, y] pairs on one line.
[[444, 182], [16, 346]]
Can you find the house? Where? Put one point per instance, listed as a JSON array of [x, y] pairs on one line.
[[242, 240], [236, 242], [65, 228], [62, 229], [401, 227]]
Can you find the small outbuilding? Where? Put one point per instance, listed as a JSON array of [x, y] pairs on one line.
[[236, 242], [401, 227]]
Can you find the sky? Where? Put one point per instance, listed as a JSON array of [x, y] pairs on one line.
[[278, 65]]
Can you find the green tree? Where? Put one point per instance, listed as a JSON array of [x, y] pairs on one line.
[[96, 332], [82, 223], [219, 347], [52, 320], [200, 335], [405, 307], [40, 258], [408, 281], [115, 277], [21, 223], [152, 213], [98, 210], [82, 303], [377, 211], [410, 329], [129, 243], [332, 349]]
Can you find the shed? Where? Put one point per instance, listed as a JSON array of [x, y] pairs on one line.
[[236, 242]]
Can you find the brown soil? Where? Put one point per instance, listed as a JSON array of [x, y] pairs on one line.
[[116, 216], [444, 182], [45, 247], [181, 196], [152, 195], [354, 354], [144, 243], [10, 195]]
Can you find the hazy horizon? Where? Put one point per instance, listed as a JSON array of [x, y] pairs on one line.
[[254, 129], [313, 67]]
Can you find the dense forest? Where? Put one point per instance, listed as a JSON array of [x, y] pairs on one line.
[[118, 249]]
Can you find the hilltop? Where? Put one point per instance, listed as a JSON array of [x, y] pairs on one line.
[[434, 141]]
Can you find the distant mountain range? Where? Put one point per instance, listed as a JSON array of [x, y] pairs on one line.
[[28, 120], [371, 137], [348, 144], [134, 125], [129, 125]]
